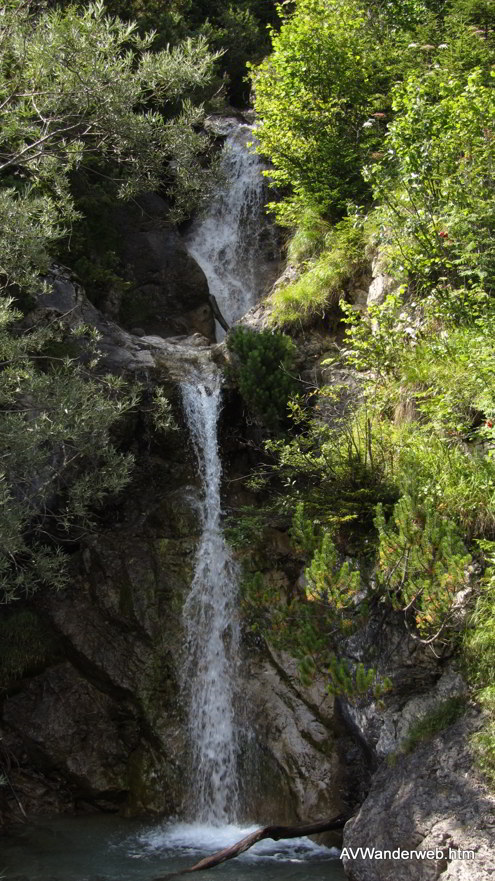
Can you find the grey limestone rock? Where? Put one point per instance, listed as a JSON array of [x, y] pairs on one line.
[[428, 800], [297, 728]]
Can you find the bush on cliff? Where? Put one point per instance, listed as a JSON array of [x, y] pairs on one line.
[[263, 367]]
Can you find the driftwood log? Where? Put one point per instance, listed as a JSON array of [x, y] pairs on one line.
[[273, 832]]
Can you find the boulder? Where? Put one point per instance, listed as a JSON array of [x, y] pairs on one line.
[[431, 800], [168, 292], [297, 731]]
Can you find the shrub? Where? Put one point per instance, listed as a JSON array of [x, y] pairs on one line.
[[421, 565], [339, 473], [479, 640], [263, 368], [313, 95], [435, 181]]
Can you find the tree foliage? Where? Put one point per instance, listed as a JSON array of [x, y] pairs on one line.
[[435, 179], [238, 30], [78, 89], [77, 84], [322, 101], [58, 459], [422, 565]]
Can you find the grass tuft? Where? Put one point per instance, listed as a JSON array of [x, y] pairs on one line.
[[324, 279]]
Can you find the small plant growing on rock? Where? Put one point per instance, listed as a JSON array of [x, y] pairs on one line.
[[439, 718]]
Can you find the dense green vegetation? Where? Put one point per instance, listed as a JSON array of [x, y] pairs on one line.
[[263, 370], [239, 30], [378, 119], [384, 118]]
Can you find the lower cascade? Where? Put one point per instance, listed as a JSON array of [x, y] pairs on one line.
[[212, 630]]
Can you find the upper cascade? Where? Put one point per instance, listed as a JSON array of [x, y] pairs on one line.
[[233, 242]]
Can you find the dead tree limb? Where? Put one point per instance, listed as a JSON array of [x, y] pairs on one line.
[[215, 308], [273, 832]]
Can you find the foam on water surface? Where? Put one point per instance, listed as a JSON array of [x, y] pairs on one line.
[[198, 839]]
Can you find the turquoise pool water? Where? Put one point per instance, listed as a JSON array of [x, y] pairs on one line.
[[107, 848]]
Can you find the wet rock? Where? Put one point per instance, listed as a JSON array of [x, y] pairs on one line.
[[104, 727], [168, 292], [296, 728]]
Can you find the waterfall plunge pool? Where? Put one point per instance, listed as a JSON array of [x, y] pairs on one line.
[[109, 848]]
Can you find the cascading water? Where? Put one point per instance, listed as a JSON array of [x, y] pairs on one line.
[[227, 245], [212, 632], [233, 243]]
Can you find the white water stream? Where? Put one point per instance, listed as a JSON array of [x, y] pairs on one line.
[[212, 631], [227, 243], [231, 242]]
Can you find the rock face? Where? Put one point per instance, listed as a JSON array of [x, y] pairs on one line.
[[382, 284], [421, 682], [297, 733], [102, 727], [168, 292], [423, 800], [99, 724], [428, 800], [105, 719], [120, 351], [75, 726]]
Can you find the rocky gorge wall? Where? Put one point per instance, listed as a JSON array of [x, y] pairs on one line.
[[97, 723], [101, 726], [95, 720]]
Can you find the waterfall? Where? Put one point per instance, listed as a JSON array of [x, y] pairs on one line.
[[212, 632], [233, 243]]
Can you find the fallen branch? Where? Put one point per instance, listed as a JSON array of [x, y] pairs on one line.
[[273, 832]]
